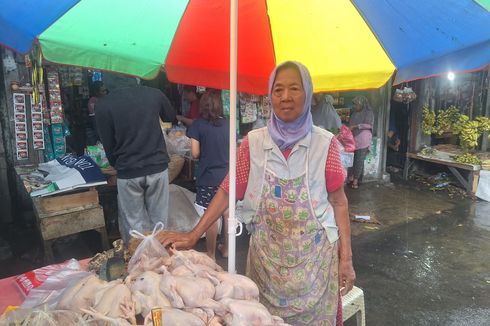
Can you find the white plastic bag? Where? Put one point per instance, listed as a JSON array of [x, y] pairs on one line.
[[49, 292], [150, 253]]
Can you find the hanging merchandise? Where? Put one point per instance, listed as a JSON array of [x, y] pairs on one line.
[[20, 119], [56, 113], [48, 148], [265, 108], [37, 75], [76, 76], [37, 124], [55, 106], [225, 99], [405, 95], [248, 108], [96, 75]]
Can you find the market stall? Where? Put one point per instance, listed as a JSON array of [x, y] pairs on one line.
[[64, 198]]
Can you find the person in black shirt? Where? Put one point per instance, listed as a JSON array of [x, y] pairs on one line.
[[128, 122]]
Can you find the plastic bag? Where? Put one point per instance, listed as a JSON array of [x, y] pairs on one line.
[[49, 292], [150, 253], [97, 153], [346, 138], [177, 142], [35, 278]]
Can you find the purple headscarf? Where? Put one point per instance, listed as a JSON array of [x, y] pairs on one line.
[[286, 134]]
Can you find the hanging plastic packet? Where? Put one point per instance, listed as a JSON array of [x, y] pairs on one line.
[[150, 253]]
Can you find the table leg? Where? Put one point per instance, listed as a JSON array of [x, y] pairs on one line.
[[474, 182], [103, 238], [466, 183], [406, 168], [48, 251]]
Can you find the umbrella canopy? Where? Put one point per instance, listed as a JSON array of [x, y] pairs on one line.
[[346, 45]]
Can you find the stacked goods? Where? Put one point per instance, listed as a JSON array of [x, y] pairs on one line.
[[468, 158], [428, 121], [485, 165]]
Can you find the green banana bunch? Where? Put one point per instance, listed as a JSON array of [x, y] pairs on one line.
[[428, 120], [468, 158]]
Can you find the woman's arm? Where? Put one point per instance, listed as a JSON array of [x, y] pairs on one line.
[[347, 275], [195, 148]]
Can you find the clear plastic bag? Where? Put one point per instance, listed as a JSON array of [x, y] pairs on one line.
[[50, 291], [177, 142], [150, 253]]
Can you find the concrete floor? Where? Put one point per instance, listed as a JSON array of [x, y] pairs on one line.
[[427, 263]]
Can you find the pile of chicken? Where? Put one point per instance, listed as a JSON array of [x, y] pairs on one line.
[[189, 287]]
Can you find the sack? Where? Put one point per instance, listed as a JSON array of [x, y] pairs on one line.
[[150, 253], [346, 138]]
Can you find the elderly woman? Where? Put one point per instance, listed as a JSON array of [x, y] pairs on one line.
[[361, 123], [290, 179]]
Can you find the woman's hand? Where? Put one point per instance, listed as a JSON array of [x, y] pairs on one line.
[[178, 240], [353, 127], [347, 276]]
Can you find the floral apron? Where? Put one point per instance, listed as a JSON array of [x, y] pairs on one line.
[[290, 257]]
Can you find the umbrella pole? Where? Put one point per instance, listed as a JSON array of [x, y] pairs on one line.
[[232, 172]]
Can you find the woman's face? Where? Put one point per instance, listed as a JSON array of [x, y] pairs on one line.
[[288, 95]]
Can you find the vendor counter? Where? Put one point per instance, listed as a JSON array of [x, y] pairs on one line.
[[469, 182], [65, 213]]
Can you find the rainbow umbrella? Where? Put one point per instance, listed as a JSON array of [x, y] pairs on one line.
[[345, 44]]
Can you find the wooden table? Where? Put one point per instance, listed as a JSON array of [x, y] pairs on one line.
[[470, 183], [66, 214]]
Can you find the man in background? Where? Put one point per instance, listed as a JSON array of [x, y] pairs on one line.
[[128, 122]]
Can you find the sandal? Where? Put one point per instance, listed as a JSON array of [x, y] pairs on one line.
[[354, 186]]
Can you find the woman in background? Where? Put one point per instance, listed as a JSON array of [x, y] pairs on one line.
[[210, 138], [361, 124]]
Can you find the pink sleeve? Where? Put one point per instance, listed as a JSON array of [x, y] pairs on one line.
[[334, 171], [242, 171]]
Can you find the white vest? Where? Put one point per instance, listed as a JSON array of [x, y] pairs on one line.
[[312, 149]]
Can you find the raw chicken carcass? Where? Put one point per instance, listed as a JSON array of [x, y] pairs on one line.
[[146, 292], [190, 292], [235, 286], [249, 313], [113, 300], [81, 294]]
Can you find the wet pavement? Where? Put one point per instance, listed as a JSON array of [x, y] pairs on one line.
[[424, 270], [426, 263]]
